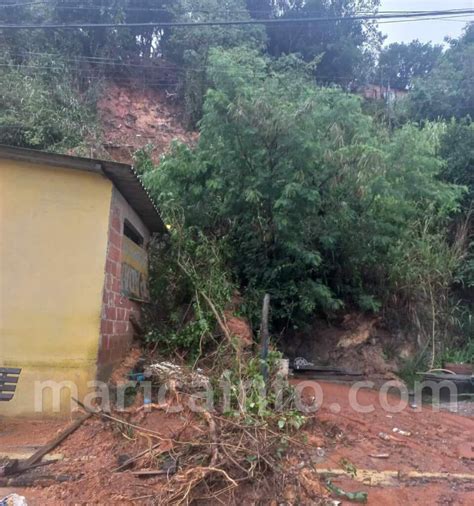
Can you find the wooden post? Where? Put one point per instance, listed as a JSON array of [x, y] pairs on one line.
[[265, 336]]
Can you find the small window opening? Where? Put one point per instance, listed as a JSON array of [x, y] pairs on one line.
[[131, 232]]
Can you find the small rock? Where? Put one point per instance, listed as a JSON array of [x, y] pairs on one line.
[[122, 459], [466, 451], [401, 432], [289, 494]]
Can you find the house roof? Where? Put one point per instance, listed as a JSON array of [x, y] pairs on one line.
[[123, 176]]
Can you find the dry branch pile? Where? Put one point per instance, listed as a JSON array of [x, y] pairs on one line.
[[231, 454]]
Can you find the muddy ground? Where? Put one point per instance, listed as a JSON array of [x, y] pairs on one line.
[[132, 118], [338, 437]]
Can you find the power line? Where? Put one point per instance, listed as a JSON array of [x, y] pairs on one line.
[[153, 64], [22, 4], [84, 73], [160, 66], [458, 17], [171, 81], [78, 6], [279, 21]]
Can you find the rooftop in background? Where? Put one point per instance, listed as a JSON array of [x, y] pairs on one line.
[[123, 176]]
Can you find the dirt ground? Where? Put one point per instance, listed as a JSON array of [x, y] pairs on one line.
[[132, 117], [440, 442], [358, 343]]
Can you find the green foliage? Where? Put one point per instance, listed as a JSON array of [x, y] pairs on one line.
[[186, 271], [459, 355], [410, 367], [313, 203], [190, 48], [447, 90], [292, 189], [345, 51], [400, 63], [142, 161], [250, 397], [87, 42], [457, 149], [44, 109]]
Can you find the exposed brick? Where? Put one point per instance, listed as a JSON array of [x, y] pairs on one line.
[[116, 239], [116, 222], [120, 300], [112, 268], [120, 327], [114, 253], [106, 341], [116, 330], [107, 296], [116, 284], [108, 282], [104, 356], [122, 314], [106, 327], [111, 313]]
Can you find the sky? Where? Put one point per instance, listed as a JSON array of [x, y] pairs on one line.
[[425, 31]]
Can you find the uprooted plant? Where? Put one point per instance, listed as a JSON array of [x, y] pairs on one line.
[[248, 436], [247, 405]]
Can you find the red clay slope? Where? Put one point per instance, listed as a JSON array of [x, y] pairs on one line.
[[132, 117]]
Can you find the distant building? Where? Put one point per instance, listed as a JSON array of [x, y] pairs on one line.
[[73, 269], [379, 92]]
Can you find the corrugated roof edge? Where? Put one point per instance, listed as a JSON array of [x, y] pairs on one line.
[[123, 176]]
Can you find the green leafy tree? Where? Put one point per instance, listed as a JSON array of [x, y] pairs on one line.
[[345, 51], [88, 42], [261, 9], [447, 91], [400, 63], [457, 149], [310, 199], [40, 107], [190, 48]]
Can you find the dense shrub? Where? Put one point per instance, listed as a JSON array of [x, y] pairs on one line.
[[312, 200], [42, 107]]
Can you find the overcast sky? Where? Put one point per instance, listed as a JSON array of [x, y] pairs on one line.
[[425, 31]]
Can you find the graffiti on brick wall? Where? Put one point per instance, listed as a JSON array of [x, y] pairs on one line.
[[134, 271]]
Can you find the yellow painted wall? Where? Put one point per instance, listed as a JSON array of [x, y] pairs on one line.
[[53, 239]]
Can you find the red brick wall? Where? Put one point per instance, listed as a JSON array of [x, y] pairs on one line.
[[116, 331]]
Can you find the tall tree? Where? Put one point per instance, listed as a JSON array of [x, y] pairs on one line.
[[447, 91], [190, 48], [261, 9], [400, 63], [344, 50]]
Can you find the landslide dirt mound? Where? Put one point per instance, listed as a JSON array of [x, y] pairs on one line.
[[439, 447], [357, 343], [433, 465], [132, 117]]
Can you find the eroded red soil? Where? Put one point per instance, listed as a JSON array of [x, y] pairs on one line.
[[132, 117], [439, 442]]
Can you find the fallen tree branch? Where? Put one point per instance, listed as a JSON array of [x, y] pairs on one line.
[[220, 322], [102, 414], [132, 460], [36, 481], [215, 442], [151, 472], [48, 447]]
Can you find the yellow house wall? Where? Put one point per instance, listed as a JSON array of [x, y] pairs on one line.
[[53, 239]]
